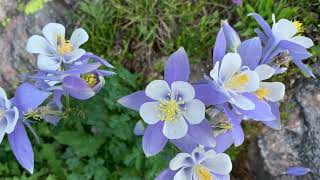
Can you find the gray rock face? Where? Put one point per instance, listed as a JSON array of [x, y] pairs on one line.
[[14, 59], [297, 143]]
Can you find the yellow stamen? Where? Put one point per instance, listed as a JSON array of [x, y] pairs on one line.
[[226, 126], [237, 81], [203, 173], [262, 93], [298, 26], [90, 78], [169, 110], [64, 46]]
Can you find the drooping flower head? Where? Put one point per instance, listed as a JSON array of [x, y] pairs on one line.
[[53, 48], [200, 165], [169, 106]]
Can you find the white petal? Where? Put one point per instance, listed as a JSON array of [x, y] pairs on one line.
[[210, 154], [78, 37], [183, 89], [73, 56], [183, 174], [220, 164], [264, 71], [12, 117], [252, 84], [3, 126], [214, 73], [149, 112], [195, 111], [276, 90], [284, 29], [157, 89], [39, 45], [3, 94], [230, 64], [181, 160], [175, 129], [241, 102], [303, 41], [48, 62], [51, 31]]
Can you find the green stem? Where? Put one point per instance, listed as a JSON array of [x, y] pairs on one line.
[[67, 102]]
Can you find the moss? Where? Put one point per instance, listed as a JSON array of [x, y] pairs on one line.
[[32, 6]]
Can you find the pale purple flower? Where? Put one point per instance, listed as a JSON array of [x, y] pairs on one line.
[[200, 164], [139, 129], [282, 38], [169, 106], [237, 2], [53, 48]]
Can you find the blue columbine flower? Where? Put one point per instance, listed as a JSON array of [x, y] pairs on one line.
[[282, 37], [169, 107], [53, 48], [200, 164]]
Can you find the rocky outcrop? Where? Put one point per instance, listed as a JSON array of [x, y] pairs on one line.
[[15, 30], [298, 142]]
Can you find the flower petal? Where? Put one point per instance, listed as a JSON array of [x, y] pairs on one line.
[[219, 164], [51, 31], [303, 41], [276, 124], [264, 71], [241, 102], [158, 89], [252, 84], [220, 47], [12, 117], [276, 90], [231, 36], [77, 87], [183, 89], [153, 139], [175, 129], [177, 68], [185, 144], [73, 56], [264, 25], [21, 147], [209, 94], [149, 112], [214, 73], [180, 160], [284, 29], [139, 128], [202, 134], [134, 100], [48, 62], [238, 135], [3, 93], [224, 141], [231, 64], [195, 112], [78, 37], [250, 52], [3, 126], [39, 45], [167, 174], [183, 174]]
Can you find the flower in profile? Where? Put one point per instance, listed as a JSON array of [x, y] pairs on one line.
[[233, 80], [283, 36], [200, 164], [9, 115], [53, 48], [27, 98], [297, 171], [169, 107]]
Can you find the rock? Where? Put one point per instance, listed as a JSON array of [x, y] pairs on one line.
[[14, 59], [297, 143]]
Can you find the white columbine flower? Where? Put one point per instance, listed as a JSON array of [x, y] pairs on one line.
[[53, 48], [8, 115], [272, 91], [286, 30], [233, 80], [172, 105], [201, 165]]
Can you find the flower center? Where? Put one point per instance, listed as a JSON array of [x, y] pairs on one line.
[[262, 93], [64, 46], [237, 81], [203, 173], [2, 113], [90, 78], [298, 26], [225, 126], [169, 109]]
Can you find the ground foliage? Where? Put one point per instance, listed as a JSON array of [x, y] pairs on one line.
[[95, 140]]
